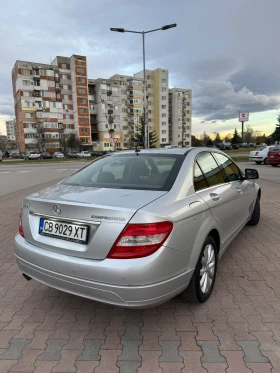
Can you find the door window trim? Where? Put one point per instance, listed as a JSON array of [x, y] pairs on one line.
[[223, 171], [195, 161]]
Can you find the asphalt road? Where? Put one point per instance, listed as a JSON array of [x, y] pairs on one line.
[[14, 178]]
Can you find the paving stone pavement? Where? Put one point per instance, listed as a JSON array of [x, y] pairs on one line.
[[237, 330]]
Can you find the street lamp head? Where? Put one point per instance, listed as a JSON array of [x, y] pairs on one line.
[[117, 29], [166, 27]]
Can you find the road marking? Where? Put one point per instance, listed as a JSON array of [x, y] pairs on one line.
[[4, 172], [23, 172]]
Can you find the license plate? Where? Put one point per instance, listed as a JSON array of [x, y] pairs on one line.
[[271, 156], [62, 230]]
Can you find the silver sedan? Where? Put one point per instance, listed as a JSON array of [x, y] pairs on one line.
[[135, 229]]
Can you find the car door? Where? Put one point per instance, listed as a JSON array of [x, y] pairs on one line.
[[234, 177], [219, 195]]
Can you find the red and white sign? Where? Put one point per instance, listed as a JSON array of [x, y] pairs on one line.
[[115, 140], [243, 116]]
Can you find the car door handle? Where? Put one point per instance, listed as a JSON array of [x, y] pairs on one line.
[[215, 197], [239, 190]]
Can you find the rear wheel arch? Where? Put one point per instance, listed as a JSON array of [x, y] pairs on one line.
[[216, 237]]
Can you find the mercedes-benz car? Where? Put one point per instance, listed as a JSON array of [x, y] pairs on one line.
[[137, 228]]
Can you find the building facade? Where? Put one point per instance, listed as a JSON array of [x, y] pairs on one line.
[[56, 102], [11, 130], [180, 114]]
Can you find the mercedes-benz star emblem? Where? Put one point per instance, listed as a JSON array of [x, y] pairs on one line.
[[56, 209]]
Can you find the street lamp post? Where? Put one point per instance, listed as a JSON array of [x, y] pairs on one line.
[[143, 33]]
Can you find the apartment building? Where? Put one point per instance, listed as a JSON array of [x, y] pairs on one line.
[[54, 101], [11, 130], [180, 114], [51, 103]]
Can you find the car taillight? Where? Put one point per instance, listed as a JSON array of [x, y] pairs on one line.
[[139, 240], [20, 229]]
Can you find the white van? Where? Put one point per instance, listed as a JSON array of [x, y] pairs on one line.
[[171, 146]]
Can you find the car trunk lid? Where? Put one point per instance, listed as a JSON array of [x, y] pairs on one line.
[[105, 211]]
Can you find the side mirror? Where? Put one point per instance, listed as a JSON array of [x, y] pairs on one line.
[[250, 173]]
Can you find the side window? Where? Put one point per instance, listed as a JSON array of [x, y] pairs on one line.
[[231, 171], [199, 179], [210, 169]]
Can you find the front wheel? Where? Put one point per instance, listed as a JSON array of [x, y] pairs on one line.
[[255, 218], [203, 278]]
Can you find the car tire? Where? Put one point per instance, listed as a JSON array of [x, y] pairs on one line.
[[274, 165], [255, 218], [199, 290], [265, 161], [258, 162]]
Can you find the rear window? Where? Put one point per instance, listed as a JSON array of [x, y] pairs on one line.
[[261, 148], [141, 172], [275, 148]]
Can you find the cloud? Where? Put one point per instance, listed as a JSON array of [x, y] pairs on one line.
[[214, 121], [219, 100], [6, 105]]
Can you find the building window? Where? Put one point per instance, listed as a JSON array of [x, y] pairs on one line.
[[91, 107], [150, 103], [84, 139], [83, 111], [124, 91], [163, 89], [29, 115], [51, 83], [163, 139], [82, 101], [84, 130], [80, 70], [65, 86], [64, 76], [163, 98], [163, 123], [163, 115], [26, 82], [117, 127], [124, 110], [83, 121], [81, 80], [163, 80], [163, 106], [163, 131], [188, 127], [67, 116], [25, 72], [81, 91], [106, 145], [63, 66]]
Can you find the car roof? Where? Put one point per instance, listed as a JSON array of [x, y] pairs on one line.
[[175, 151]]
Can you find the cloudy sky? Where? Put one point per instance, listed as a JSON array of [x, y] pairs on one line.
[[226, 51]]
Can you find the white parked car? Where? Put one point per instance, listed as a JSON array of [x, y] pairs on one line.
[[260, 155], [32, 155], [58, 155], [84, 154]]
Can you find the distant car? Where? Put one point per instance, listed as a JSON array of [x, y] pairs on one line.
[[45, 155], [273, 157], [14, 155], [0, 157], [58, 155], [32, 155], [260, 155], [22, 155], [228, 147], [84, 154], [235, 146], [72, 155]]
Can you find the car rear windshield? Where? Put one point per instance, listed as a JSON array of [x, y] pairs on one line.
[[131, 171], [275, 148], [261, 148]]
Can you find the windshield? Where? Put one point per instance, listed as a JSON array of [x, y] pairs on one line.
[[142, 172]]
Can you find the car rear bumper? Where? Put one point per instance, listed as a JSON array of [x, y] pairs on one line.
[[260, 159], [30, 259], [273, 160]]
